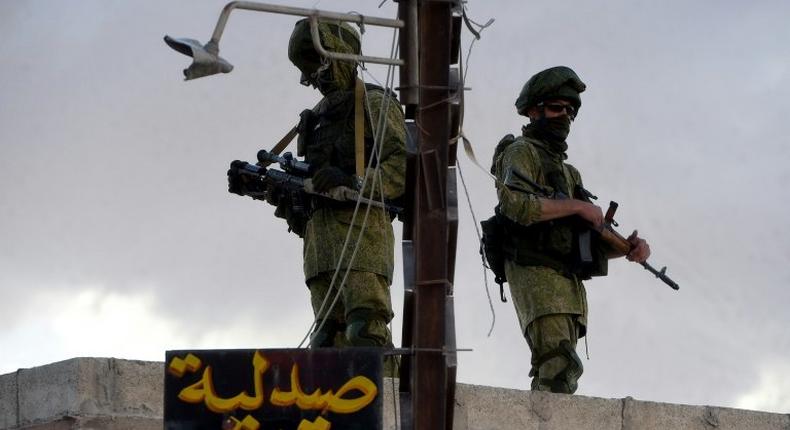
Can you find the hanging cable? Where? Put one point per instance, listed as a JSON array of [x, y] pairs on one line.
[[377, 143], [464, 71], [480, 241], [382, 125], [380, 133], [320, 314]]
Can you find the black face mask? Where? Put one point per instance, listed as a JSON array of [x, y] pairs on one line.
[[554, 130]]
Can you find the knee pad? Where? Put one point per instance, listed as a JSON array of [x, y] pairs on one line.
[[566, 381], [325, 337], [365, 328]]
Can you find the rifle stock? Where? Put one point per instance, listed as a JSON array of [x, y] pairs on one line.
[[619, 245]]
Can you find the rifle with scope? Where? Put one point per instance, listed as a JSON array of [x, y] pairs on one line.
[[262, 183]]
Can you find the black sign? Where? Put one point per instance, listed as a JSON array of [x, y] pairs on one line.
[[274, 389]]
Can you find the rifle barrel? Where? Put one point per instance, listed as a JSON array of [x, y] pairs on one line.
[[661, 274], [621, 246]]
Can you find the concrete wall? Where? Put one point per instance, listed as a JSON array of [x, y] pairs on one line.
[[112, 394], [95, 393], [484, 408]]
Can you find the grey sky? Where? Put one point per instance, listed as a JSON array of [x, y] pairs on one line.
[[115, 221]]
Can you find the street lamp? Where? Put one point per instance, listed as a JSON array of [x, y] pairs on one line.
[[205, 59]]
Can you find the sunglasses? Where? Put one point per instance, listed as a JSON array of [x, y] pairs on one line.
[[559, 108]]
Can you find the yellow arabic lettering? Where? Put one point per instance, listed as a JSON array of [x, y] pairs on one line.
[[288, 398], [203, 390], [348, 406], [179, 366], [319, 424], [248, 423], [296, 396], [328, 401]]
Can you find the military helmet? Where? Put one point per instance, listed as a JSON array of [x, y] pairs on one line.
[[558, 82], [335, 37]]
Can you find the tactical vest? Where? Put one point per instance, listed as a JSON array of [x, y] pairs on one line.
[[326, 135], [567, 244]]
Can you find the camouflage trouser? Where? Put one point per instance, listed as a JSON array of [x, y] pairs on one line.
[[555, 365], [361, 314]]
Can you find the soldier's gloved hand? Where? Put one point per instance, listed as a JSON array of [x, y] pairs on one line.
[[330, 177]]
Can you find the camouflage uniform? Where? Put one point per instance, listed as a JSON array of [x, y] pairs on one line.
[[361, 315], [551, 304]]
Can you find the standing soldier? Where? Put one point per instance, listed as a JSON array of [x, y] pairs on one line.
[[547, 218], [327, 136]]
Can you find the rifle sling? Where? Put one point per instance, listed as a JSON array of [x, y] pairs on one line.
[[278, 148], [293, 132], [359, 128]]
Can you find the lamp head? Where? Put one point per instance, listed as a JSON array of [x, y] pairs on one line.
[[206, 60]]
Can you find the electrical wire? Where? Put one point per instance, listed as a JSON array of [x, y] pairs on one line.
[[482, 250], [378, 141], [378, 138], [464, 72], [382, 125]]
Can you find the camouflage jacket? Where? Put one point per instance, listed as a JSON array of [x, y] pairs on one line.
[[536, 290], [327, 229]]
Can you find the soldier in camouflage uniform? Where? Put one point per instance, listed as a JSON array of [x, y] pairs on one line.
[[326, 139], [544, 208]]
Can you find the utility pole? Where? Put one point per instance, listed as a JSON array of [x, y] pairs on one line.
[[430, 224], [428, 376]]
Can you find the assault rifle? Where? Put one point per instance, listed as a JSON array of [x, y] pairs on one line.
[[619, 245], [262, 183]]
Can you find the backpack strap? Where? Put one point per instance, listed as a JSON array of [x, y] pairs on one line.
[[506, 141], [359, 128]]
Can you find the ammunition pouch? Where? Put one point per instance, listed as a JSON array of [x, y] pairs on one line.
[[295, 208], [591, 259], [491, 250], [308, 121]]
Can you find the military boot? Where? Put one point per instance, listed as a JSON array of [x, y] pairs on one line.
[[365, 328], [325, 336], [557, 371]]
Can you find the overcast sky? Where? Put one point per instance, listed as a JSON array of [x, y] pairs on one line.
[[118, 237]]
